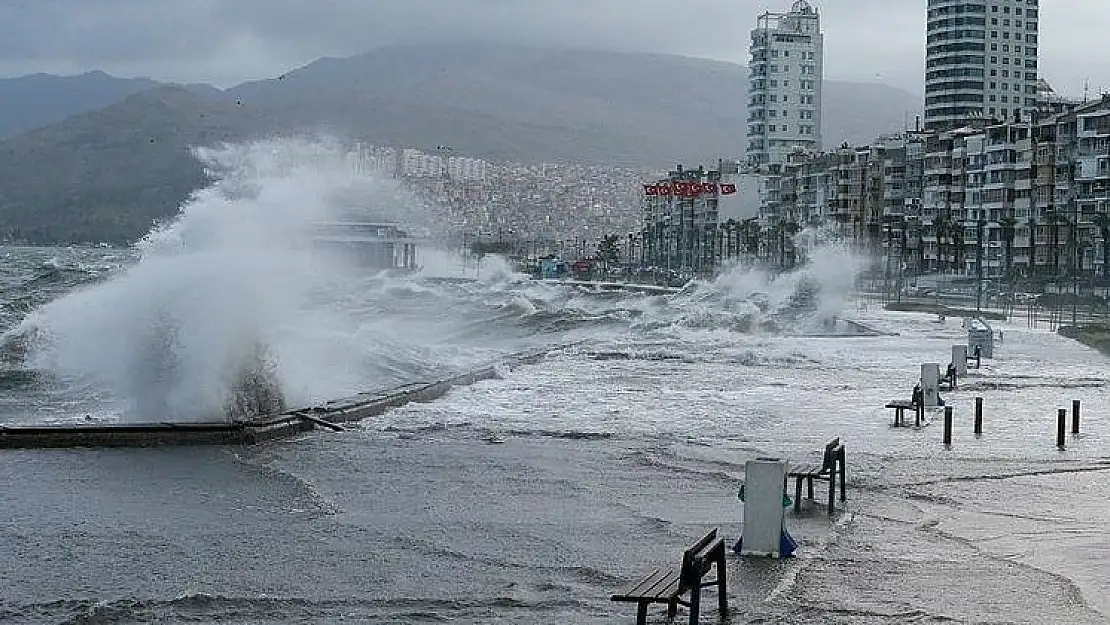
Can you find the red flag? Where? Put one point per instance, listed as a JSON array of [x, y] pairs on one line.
[[682, 189], [665, 188], [650, 189], [728, 188]]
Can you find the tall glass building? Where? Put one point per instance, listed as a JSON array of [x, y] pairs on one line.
[[980, 61]]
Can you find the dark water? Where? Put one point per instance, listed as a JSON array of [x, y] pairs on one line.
[[531, 498]]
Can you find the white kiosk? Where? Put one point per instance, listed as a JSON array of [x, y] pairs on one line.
[[981, 335], [959, 358], [764, 514], [930, 379]]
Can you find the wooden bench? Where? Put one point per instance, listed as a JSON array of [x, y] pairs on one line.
[[900, 407], [825, 472], [666, 586]]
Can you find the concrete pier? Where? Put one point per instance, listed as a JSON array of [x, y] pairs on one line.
[[152, 434], [259, 429]]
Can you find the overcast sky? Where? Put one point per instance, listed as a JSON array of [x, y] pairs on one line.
[[224, 42]]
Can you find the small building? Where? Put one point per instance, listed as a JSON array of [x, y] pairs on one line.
[[366, 245]]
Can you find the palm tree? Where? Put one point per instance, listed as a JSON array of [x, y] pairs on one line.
[[790, 229], [1054, 219], [1102, 221], [940, 229], [750, 232], [1032, 224], [730, 233], [1007, 224], [956, 230]]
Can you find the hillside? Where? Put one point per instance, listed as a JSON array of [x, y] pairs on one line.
[[516, 103], [43, 99], [107, 175]]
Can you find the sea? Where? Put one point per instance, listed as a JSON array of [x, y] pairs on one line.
[[533, 496]]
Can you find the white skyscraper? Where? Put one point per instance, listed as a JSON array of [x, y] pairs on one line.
[[784, 90], [980, 61]]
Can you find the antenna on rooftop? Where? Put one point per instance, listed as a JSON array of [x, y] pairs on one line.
[[1086, 88]]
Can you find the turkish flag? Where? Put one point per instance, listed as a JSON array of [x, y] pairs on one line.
[[650, 189], [728, 188]]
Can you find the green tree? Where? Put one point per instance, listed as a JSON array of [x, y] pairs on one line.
[[608, 249]]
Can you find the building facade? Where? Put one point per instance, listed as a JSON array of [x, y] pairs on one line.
[[784, 86], [1002, 202], [980, 62]]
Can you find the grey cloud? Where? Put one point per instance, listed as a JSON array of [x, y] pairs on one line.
[[226, 41]]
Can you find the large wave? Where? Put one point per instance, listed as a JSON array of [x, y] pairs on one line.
[[228, 311]]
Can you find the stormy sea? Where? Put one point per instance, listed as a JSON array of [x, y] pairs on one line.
[[531, 497]]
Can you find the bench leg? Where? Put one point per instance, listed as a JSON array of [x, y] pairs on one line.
[[843, 479], [695, 603], [832, 490], [672, 610], [722, 585], [797, 495], [809, 487], [641, 613]]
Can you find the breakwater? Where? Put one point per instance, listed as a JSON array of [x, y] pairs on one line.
[[264, 428]]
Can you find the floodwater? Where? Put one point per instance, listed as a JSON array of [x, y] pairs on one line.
[[533, 497]]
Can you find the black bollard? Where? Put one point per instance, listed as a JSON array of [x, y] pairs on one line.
[[918, 414], [1061, 419], [1075, 416], [978, 416], [948, 426]]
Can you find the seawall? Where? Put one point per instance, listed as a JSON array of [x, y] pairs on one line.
[[263, 428]]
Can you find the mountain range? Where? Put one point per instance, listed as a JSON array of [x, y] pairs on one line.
[[94, 157]]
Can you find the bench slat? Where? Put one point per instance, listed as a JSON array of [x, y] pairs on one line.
[[657, 585], [806, 470]]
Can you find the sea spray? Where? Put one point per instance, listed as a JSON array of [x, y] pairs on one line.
[[748, 298], [227, 312]]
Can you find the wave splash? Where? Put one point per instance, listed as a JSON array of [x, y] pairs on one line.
[[227, 312]]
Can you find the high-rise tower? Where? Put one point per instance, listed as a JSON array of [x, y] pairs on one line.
[[980, 61], [784, 89]]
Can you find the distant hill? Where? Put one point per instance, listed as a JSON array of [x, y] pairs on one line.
[[107, 174], [42, 99], [519, 103]]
